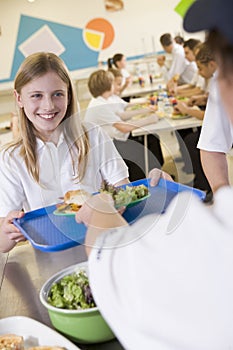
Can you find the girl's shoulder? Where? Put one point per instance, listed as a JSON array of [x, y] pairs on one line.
[[9, 152], [10, 148]]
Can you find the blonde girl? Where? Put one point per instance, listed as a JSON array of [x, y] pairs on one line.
[[54, 152]]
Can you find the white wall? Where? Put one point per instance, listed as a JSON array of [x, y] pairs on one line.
[[137, 27]]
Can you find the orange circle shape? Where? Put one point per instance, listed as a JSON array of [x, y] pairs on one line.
[[103, 26]]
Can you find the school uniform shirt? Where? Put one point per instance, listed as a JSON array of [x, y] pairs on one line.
[[165, 282], [103, 112], [178, 65], [125, 75], [217, 130], [119, 104], [189, 72], [57, 175], [198, 81]]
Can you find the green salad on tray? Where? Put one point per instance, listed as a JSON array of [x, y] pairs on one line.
[[127, 195]]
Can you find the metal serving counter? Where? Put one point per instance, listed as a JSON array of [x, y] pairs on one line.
[[23, 271]]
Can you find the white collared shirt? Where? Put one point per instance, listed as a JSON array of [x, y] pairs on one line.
[[217, 130], [169, 277], [103, 112], [180, 65], [19, 190]]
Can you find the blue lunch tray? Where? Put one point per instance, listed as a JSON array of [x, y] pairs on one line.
[[48, 232]]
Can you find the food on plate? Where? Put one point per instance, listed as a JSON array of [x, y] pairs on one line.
[[160, 114], [125, 196], [77, 197], [16, 342], [11, 342], [176, 112], [73, 200], [72, 292], [137, 106], [139, 116], [176, 77], [134, 107]]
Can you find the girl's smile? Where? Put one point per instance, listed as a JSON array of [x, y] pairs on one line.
[[45, 101]]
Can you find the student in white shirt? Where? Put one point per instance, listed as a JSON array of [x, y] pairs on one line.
[[180, 69], [54, 152], [206, 67], [169, 278], [118, 61], [216, 139], [105, 112], [197, 84], [101, 109]]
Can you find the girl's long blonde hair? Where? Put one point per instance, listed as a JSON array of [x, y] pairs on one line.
[[35, 66]]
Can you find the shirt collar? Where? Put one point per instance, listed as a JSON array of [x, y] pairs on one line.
[[41, 144]]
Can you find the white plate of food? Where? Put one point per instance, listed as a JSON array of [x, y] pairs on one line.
[[34, 333], [180, 116]]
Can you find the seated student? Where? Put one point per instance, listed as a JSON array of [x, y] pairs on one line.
[[169, 277], [125, 110], [118, 61], [179, 40], [197, 84], [207, 66], [216, 140], [180, 70], [101, 109], [54, 152], [104, 111]]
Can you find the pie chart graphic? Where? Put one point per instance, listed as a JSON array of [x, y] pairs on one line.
[[98, 34]]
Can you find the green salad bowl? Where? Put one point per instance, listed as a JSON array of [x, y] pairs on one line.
[[82, 325]]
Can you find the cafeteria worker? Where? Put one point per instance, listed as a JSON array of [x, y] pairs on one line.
[[169, 277]]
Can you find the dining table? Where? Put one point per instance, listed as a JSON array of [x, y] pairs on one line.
[[136, 90], [23, 271], [164, 124]]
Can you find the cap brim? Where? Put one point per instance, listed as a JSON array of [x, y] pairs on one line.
[[200, 16]]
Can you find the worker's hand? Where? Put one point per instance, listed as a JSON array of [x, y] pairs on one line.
[[156, 174], [101, 202]]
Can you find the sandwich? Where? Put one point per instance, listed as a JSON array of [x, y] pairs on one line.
[[11, 342], [73, 200]]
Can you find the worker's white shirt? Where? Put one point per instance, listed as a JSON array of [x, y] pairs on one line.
[[166, 281], [103, 112], [217, 131], [18, 190]]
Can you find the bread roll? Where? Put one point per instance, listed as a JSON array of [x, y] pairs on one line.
[[77, 197], [11, 342]]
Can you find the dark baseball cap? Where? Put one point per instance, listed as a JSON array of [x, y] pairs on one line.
[[210, 14]]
